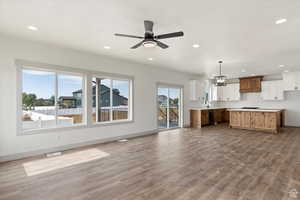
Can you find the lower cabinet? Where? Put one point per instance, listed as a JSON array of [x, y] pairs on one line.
[[271, 120], [218, 115], [256, 120], [199, 118], [204, 117], [235, 119], [246, 119]]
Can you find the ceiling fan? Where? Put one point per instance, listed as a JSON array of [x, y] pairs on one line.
[[149, 39]]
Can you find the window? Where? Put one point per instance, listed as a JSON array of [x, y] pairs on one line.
[[54, 97], [111, 99], [51, 99]]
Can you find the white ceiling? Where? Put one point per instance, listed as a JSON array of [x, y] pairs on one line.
[[242, 33]]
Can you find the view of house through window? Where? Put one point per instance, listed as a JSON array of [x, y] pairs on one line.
[[69, 99], [51, 99], [110, 99]]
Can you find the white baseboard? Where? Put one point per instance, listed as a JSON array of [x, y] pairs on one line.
[[72, 146]]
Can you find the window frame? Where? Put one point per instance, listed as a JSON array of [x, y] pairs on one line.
[[111, 107], [87, 76], [56, 92], [181, 104]]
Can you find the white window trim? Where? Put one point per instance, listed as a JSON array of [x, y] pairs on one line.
[[87, 99], [56, 74], [111, 107]]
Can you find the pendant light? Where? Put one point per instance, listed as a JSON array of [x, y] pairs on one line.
[[220, 80]]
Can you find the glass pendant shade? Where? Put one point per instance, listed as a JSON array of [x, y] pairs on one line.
[[220, 80]]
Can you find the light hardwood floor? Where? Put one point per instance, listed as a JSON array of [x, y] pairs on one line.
[[186, 164]]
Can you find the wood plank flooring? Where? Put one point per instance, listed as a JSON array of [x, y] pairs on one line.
[[186, 164]]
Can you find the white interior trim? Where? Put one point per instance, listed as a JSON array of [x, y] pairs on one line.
[[181, 103]]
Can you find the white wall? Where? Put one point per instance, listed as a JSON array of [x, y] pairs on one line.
[[145, 77], [291, 104]]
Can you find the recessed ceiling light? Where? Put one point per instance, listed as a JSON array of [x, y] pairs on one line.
[[281, 66], [196, 45], [106, 47], [33, 28], [286, 71], [150, 59], [243, 70], [281, 21]]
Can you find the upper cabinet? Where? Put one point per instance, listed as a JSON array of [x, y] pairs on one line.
[[250, 84], [272, 90], [291, 81], [230, 92], [217, 93], [196, 90]]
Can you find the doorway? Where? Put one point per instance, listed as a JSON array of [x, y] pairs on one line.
[[169, 101]]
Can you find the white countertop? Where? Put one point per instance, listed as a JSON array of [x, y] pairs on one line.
[[205, 108], [255, 110], [238, 109]]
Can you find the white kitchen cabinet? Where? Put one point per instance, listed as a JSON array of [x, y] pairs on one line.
[[272, 90], [230, 92], [196, 90], [291, 81], [217, 93]]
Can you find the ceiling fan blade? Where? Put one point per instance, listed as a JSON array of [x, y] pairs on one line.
[[161, 45], [137, 45], [169, 35], [148, 26], [131, 36]]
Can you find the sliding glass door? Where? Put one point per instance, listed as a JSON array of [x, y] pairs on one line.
[[169, 114]]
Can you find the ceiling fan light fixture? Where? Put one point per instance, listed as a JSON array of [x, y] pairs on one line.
[[220, 80], [149, 44]]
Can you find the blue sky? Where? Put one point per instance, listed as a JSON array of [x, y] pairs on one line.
[[43, 84], [174, 92]]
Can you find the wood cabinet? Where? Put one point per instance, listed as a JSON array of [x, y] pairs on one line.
[[291, 81], [203, 117], [272, 90], [246, 119], [225, 116], [218, 115], [250, 84], [199, 118], [256, 120], [235, 119], [271, 121]]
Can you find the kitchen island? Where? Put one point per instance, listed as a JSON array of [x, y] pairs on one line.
[[200, 117], [257, 119]]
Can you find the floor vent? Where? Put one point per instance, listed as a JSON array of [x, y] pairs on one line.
[[293, 193], [48, 155], [123, 140]]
